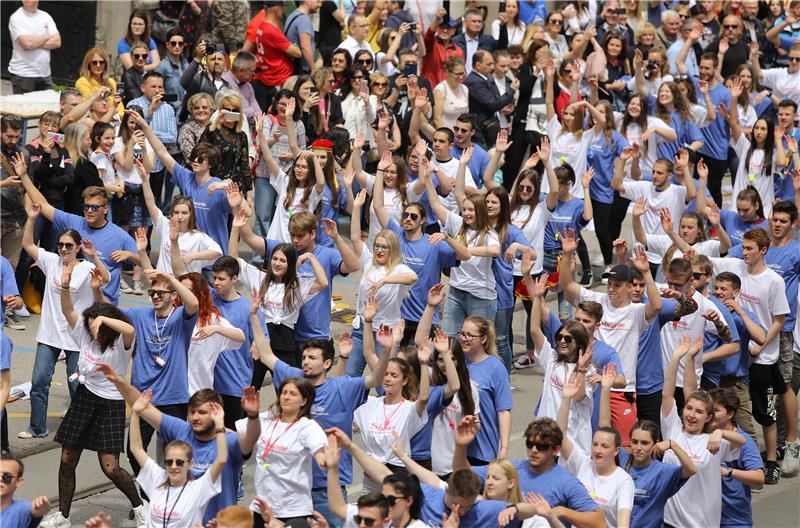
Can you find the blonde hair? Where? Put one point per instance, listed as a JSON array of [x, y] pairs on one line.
[[486, 328], [510, 472], [231, 97], [86, 71], [395, 256], [72, 141]]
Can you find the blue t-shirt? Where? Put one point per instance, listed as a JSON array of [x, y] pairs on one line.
[[504, 270], [234, 369], [742, 371], [334, 405], [600, 157], [18, 515], [483, 513], [685, 129], [430, 216], [782, 183], [168, 339], [785, 261], [568, 215], [124, 47], [211, 211], [328, 211], [106, 239], [655, 484], [736, 227], [530, 12], [314, 320], [203, 456], [649, 369], [713, 371], [557, 485], [477, 163], [494, 389], [297, 23], [717, 135], [426, 260], [421, 442], [736, 507], [8, 285]]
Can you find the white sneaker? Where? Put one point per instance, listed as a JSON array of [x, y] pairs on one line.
[[22, 312], [124, 287], [523, 362], [138, 287], [55, 520], [791, 460], [598, 261], [141, 515]]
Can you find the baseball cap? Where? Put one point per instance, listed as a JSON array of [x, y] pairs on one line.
[[620, 272], [447, 20]]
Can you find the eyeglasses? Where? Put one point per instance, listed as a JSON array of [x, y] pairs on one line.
[[540, 446], [557, 21], [568, 339], [159, 293], [380, 247], [98, 63], [794, 59], [364, 61], [94, 208], [8, 478], [139, 55], [412, 216], [176, 43], [178, 462], [380, 84], [66, 245], [367, 521], [698, 276], [466, 336], [730, 26], [459, 74]]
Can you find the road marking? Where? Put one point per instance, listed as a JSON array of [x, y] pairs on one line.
[[27, 415]]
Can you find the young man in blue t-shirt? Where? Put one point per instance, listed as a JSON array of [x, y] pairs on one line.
[[22, 513]]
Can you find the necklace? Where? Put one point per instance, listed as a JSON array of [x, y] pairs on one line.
[[387, 420], [157, 356], [168, 516]]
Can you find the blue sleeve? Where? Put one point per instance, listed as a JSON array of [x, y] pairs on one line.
[[222, 201], [172, 428], [692, 133], [481, 472], [518, 237], [750, 458], [128, 243], [283, 371], [502, 389], [447, 255], [786, 43], [437, 401], [578, 498], [181, 176], [392, 226], [612, 358], [651, 103], [7, 278], [336, 261], [235, 455], [6, 347], [550, 327], [620, 142], [667, 312], [353, 390], [123, 46], [153, 45], [62, 221], [735, 251]]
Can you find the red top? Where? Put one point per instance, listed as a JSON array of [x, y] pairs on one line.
[[273, 66], [435, 57], [253, 25]]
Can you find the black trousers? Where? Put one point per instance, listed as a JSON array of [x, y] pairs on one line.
[[264, 94], [716, 170], [516, 153]]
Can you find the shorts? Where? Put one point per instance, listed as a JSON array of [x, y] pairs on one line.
[[766, 382], [623, 414], [93, 423]]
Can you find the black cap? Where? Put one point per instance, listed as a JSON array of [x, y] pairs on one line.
[[620, 272], [447, 20]]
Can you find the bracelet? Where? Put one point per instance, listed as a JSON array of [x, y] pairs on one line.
[[252, 417], [581, 370], [730, 472]]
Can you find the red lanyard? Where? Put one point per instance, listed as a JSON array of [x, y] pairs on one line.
[[269, 444], [388, 419]]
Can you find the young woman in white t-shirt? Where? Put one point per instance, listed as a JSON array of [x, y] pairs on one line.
[[299, 189], [383, 275], [177, 500], [53, 337], [692, 432], [451, 96], [402, 409], [472, 284]]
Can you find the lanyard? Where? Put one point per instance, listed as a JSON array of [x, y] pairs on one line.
[[270, 444], [168, 516], [158, 334], [387, 420]]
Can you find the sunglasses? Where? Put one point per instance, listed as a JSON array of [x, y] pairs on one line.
[[94, 208], [391, 499], [462, 129], [159, 293], [66, 245], [540, 446], [412, 216], [98, 63], [730, 26], [139, 55], [231, 109], [176, 43], [177, 462], [7, 478], [364, 61], [380, 247], [368, 521], [526, 188], [794, 59], [568, 339], [557, 21], [380, 84], [697, 276]]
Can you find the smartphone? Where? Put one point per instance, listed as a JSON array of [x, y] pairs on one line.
[[409, 69], [412, 26], [314, 90], [363, 84], [121, 88], [137, 154], [169, 98], [232, 117], [56, 137]]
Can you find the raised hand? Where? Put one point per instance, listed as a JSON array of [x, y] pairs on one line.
[[539, 286], [218, 415], [397, 332], [682, 348], [234, 195], [543, 150], [736, 89], [66, 275], [34, 210], [345, 344], [441, 342], [384, 336], [569, 241], [97, 279], [713, 215], [585, 357], [101, 520], [640, 206], [348, 175], [358, 142], [425, 351], [466, 431], [454, 520], [466, 155], [421, 100], [436, 295], [527, 264], [587, 177], [370, 308], [240, 219], [330, 228], [142, 401], [640, 261], [666, 220], [291, 104], [107, 371], [609, 373], [702, 169], [88, 248], [621, 249], [502, 144], [250, 401], [360, 198], [385, 161]]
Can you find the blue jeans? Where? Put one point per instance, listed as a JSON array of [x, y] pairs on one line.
[[264, 203], [356, 362], [502, 325], [320, 500], [460, 305], [43, 367]]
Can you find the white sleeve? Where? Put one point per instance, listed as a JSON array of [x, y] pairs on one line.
[[314, 438], [671, 423], [150, 476], [632, 190], [453, 223], [576, 460], [625, 493], [658, 244], [250, 275]]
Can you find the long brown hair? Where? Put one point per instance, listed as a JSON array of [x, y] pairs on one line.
[[145, 37], [516, 201], [439, 377], [293, 184], [481, 227], [291, 285], [410, 389], [678, 100]]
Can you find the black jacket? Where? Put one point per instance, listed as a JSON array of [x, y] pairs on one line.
[[484, 98], [51, 174], [485, 42], [195, 80]]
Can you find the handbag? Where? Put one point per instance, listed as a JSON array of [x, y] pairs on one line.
[[162, 24]]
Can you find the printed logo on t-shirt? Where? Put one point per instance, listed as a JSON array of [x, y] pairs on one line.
[[159, 513], [554, 381], [749, 298], [605, 325]]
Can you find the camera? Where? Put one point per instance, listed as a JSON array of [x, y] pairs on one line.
[[211, 48], [412, 26], [653, 65], [169, 98]]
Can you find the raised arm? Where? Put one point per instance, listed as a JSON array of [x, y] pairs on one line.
[[653, 295], [713, 216], [265, 353], [28, 244], [21, 169], [424, 353], [537, 288], [671, 375], [336, 502], [320, 278], [566, 282], [461, 174], [377, 190], [374, 469], [549, 97], [438, 208], [158, 147], [190, 302], [147, 192], [218, 415], [389, 339], [135, 432], [733, 111], [130, 394], [442, 344], [425, 475], [355, 222], [571, 388]]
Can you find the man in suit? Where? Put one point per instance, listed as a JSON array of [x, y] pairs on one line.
[[484, 97], [473, 39]]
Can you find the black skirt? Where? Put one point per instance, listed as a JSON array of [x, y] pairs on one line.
[[93, 423]]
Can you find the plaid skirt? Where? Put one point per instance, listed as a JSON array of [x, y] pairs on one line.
[[93, 423]]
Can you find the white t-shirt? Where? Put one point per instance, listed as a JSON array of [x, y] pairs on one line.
[[783, 84], [699, 501], [764, 295], [474, 275], [286, 449], [443, 436], [189, 241], [272, 303], [672, 198], [620, 328], [392, 204], [612, 493], [378, 421], [56, 330], [634, 136], [203, 354], [184, 506], [389, 296], [533, 230], [580, 412], [117, 356], [104, 163], [660, 244], [699, 114], [566, 148], [131, 176], [279, 228], [35, 62], [755, 174], [693, 325], [449, 169]]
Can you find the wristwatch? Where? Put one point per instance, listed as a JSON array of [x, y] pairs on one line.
[[730, 472]]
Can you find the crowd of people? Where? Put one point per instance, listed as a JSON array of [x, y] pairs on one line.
[[465, 161]]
